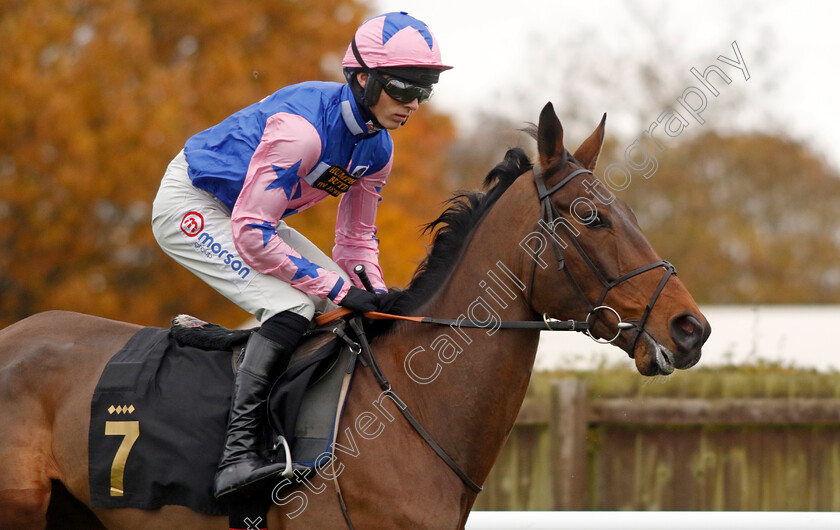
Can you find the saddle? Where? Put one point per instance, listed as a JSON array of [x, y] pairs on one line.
[[303, 400], [159, 412]]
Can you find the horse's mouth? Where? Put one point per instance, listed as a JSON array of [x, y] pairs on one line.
[[663, 359], [653, 358]]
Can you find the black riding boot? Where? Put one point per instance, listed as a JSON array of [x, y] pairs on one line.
[[241, 464]]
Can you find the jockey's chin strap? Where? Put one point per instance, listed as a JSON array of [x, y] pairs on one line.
[[367, 92]]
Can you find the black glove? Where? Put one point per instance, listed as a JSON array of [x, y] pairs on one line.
[[360, 300]]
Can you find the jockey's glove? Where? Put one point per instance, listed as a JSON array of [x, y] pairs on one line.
[[360, 300]]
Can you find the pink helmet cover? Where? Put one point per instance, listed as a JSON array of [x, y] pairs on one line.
[[392, 40]]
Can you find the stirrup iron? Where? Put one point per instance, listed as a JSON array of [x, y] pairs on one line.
[[288, 472]]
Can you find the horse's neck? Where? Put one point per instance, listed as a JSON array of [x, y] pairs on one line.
[[468, 384]]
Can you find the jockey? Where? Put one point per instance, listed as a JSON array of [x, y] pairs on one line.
[[222, 203]]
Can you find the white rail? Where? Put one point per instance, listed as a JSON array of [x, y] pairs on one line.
[[653, 520]]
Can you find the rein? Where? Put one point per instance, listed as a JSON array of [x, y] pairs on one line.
[[362, 349], [546, 324], [549, 219]]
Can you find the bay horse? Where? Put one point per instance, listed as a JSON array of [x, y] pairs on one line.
[[536, 244]]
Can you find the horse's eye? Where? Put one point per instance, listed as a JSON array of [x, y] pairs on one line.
[[595, 220]]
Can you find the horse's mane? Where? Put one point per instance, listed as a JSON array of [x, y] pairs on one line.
[[452, 231]]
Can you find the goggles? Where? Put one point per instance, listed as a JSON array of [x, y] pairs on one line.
[[403, 91]]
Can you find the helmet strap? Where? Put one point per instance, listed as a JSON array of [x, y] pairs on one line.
[[356, 53], [368, 92]]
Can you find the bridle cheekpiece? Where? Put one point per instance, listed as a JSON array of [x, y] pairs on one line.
[[551, 218]]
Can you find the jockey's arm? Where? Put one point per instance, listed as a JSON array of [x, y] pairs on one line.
[[355, 228], [290, 147]]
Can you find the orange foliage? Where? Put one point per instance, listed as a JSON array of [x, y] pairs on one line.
[[97, 98]]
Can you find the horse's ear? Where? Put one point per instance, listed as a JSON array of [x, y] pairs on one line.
[[549, 136], [587, 153]]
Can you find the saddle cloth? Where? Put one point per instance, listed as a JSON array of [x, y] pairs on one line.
[[159, 418]]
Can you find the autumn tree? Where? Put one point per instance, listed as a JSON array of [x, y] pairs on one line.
[[747, 219], [96, 99]]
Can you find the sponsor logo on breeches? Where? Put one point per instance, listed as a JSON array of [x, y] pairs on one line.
[[194, 228], [206, 245]]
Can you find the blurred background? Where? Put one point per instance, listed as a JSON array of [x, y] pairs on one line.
[[96, 97]]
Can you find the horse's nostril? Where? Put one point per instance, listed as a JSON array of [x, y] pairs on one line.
[[688, 325], [687, 331]]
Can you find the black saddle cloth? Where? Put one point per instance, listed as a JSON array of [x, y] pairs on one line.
[[159, 417], [179, 397]]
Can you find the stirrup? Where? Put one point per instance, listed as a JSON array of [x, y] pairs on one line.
[[288, 472]]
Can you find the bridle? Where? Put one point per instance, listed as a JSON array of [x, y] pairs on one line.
[[551, 218]]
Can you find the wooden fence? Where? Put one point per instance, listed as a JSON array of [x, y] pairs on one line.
[[572, 451]]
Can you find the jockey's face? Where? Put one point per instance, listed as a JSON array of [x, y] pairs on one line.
[[389, 112]]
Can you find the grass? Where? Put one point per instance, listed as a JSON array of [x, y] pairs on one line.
[[759, 380]]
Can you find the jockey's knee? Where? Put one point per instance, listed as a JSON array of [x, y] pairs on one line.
[[285, 329], [299, 304]]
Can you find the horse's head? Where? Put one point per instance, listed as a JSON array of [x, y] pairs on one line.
[[591, 259]]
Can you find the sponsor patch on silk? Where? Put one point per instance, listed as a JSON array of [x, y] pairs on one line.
[[335, 181]]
